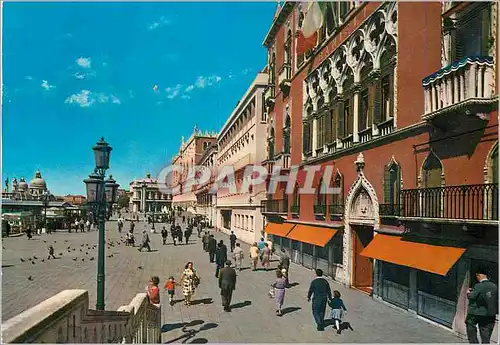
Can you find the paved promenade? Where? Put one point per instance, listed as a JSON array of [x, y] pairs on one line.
[[252, 319]]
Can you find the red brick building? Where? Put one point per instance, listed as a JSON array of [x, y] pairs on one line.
[[401, 100]]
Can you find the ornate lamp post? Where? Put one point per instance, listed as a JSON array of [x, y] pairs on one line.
[[111, 190], [45, 198], [101, 194]]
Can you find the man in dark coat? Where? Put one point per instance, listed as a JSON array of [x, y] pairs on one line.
[[220, 257], [179, 234], [482, 310], [173, 232], [227, 284], [205, 240], [232, 240], [320, 292], [164, 235], [212, 246]]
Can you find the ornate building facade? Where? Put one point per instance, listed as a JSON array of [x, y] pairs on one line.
[[242, 143], [20, 190], [147, 196], [206, 201], [400, 99], [190, 154]]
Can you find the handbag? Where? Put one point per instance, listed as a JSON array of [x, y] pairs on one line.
[[196, 281], [271, 292]]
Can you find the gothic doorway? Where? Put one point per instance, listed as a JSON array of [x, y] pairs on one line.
[[362, 266]]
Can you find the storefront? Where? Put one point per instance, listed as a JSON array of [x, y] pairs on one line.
[[310, 246]]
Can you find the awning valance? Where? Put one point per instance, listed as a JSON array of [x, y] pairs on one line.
[[279, 229], [426, 257], [315, 235]]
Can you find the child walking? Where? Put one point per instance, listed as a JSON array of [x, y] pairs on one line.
[[338, 309], [51, 252], [170, 287]]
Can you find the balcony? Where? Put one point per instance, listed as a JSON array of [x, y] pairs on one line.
[[466, 203], [390, 210], [295, 209], [319, 210], [283, 161], [269, 166], [274, 207], [269, 96], [285, 77], [466, 86]]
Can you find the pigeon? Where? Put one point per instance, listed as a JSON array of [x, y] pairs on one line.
[[66, 241], [60, 254], [43, 260], [44, 241], [75, 259], [83, 259], [69, 248], [140, 267], [81, 250], [29, 259], [55, 241], [30, 278], [91, 259], [22, 260], [33, 262], [86, 253], [34, 257]]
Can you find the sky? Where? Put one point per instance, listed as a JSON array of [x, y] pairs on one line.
[[141, 75]]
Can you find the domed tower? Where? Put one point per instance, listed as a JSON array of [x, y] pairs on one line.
[[37, 185]]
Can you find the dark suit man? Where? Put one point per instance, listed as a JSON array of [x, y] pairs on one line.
[[232, 240], [321, 294], [227, 284], [220, 257], [482, 310], [212, 246], [205, 240]]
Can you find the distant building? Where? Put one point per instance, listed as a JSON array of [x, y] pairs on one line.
[[22, 191], [206, 201], [74, 199], [147, 197], [122, 192], [190, 154]]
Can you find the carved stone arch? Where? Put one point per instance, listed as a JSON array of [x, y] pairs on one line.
[[489, 169], [389, 47], [362, 188], [391, 20], [355, 53], [392, 162], [428, 161], [339, 67]]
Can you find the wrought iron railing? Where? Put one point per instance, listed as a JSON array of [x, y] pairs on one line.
[[319, 209], [295, 209], [273, 206], [473, 202], [336, 209]]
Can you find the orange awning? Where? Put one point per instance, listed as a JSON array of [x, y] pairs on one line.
[[422, 256], [279, 229], [312, 234]]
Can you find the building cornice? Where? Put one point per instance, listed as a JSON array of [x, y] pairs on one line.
[[277, 23]]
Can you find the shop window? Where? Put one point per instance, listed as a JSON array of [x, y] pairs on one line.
[[439, 286], [337, 242], [322, 252], [285, 242], [307, 249], [490, 267], [396, 273], [296, 245]]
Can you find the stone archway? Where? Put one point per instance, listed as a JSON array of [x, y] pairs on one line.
[[361, 218]]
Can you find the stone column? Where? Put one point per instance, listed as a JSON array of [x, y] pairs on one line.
[[433, 96], [471, 82], [314, 136], [480, 82], [427, 99], [456, 83], [488, 82], [462, 86], [355, 126]]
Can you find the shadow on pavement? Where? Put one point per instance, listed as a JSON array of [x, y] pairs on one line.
[[202, 301], [171, 326], [289, 310], [191, 333], [241, 305]]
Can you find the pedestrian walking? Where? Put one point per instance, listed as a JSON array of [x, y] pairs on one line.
[[261, 246], [232, 240], [238, 256], [51, 253], [205, 241], [212, 247], [164, 234], [179, 234], [190, 282], [28, 233], [173, 233], [482, 309], [87, 224], [145, 242], [266, 256], [279, 292], [284, 264], [220, 257], [132, 226], [254, 255], [320, 292], [170, 287], [227, 284], [338, 310], [200, 229], [187, 235]]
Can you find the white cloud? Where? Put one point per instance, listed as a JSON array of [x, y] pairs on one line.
[[173, 92], [184, 96], [79, 75], [83, 99], [159, 23], [86, 98], [84, 62], [189, 88], [201, 82], [28, 77], [45, 84]]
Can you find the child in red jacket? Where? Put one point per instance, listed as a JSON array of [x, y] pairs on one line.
[[170, 287]]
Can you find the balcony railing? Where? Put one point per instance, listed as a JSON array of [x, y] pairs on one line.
[[390, 210], [284, 161], [274, 206], [269, 96], [465, 83], [320, 209], [365, 135], [336, 209], [467, 202], [295, 209]]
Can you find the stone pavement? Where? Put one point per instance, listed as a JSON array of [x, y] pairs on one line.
[[253, 317]]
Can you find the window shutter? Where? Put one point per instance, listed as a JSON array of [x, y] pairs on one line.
[[371, 95], [377, 101], [398, 187], [340, 119], [390, 113], [334, 124], [305, 137], [350, 120], [387, 185]]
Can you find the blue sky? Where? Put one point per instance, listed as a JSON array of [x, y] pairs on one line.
[[73, 72]]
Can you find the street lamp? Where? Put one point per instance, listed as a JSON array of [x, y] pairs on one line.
[[100, 194], [110, 190], [46, 198]]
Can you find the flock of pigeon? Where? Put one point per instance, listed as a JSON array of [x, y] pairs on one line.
[[84, 249]]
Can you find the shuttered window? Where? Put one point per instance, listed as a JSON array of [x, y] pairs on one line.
[[473, 31], [340, 118], [306, 137], [392, 184], [363, 110], [386, 101]]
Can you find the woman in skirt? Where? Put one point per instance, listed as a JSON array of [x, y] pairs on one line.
[[279, 291]]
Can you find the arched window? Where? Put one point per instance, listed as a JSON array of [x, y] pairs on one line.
[[392, 184], [286, 134], [288, 47], [337, 200], [431, 196], [320, 204], [494, 166], [432, 171], [270, 144], [306, 137]]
